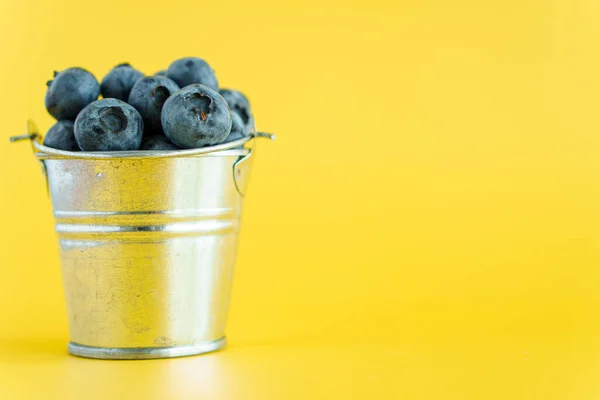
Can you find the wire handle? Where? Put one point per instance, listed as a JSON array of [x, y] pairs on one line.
[[23, 137], [265, 135], [33, 136]]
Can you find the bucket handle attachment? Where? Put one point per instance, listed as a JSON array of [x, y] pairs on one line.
[[32, 135], [243, 166], [22, 137]]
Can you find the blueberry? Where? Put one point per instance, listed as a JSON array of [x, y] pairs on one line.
[[148, 96], [69, 92], [162, 72], [61, 136], [157, 142], [109, 125], [238, 130], [239, 103], [190, 70], [196, 116], [119, 81]]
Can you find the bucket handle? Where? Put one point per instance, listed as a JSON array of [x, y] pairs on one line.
[[32, 135], [243, 166]]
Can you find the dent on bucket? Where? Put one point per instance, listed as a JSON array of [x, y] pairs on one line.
[[147, 186]]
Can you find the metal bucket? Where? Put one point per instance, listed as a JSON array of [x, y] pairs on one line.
[[148, 243]]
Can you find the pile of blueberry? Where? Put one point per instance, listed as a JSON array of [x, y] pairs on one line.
[[178, 108]]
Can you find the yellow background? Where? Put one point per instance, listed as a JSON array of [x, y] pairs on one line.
[[425, 227]]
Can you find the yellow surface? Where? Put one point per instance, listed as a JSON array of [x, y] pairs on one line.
[[426, 226]]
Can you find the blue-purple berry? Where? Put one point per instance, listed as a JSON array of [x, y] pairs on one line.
[[117, 84], [69, 92], [239, 104], [109, 125], [148, 96], [157, 142], [196, 116], [192, 70], [61, 136]]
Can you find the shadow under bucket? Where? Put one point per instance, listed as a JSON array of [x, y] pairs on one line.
[[148, 242]]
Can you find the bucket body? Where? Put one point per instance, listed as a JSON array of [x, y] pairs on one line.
[[147, 249]]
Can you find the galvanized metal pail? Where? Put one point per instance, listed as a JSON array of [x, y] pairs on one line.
[[147, 245]]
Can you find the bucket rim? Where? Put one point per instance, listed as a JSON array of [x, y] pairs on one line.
[[224, 149], [233, 148]]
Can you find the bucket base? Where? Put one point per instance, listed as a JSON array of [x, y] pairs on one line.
[[144, 353]]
